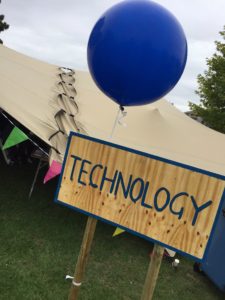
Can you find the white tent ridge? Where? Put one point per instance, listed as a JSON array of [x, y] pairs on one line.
[[48, 100]]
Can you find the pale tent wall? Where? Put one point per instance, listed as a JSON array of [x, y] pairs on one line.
[[158, 128], [44, 99], [38, 94]]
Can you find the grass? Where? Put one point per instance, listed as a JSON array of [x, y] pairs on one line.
[[40, 241]]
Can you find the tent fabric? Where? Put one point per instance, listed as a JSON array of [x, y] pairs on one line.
[[50, 101], [40, 96]]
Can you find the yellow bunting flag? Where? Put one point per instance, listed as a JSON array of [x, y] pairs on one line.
[[118, 231]]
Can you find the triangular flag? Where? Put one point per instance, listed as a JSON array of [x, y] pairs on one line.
[[118, 231], [170, 252], [16, 136], [54, 170]]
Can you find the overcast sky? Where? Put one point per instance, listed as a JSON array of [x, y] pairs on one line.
[[57, 31]]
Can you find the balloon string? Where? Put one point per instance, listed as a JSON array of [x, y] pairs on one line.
[[121, 114], [115, 123]]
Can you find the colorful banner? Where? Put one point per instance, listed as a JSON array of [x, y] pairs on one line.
[[16, 136], [53, 171]]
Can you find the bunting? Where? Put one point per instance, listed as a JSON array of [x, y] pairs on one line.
[[15, 137], [53, 171], [118, 231]]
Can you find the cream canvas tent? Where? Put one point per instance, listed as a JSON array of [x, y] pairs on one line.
[[50, 101]]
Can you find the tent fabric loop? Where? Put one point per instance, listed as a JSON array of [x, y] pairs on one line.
[[65, 68], [57, 115], [66, 86], [65, 117], [55, 134], [70, 99], [56, 150], [63, 77]]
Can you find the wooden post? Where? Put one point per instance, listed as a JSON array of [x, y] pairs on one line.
[[83, 258], [153, 272]]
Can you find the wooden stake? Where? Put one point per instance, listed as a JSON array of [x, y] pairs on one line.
[[83, 258], [153, 272]]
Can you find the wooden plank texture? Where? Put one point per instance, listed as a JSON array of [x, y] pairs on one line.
[[165, 202]]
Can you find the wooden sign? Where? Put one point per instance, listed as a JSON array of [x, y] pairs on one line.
[[173, 204]]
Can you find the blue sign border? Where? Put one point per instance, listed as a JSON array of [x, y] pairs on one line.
[[211, 174]]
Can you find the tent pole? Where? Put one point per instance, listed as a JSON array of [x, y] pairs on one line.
[[35, 178], [7, 160], [83, 258], [153, 272]]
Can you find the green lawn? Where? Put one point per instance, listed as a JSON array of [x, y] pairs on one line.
[[39, 244]]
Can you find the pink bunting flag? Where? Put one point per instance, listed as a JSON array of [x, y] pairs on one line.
[[53, 171]]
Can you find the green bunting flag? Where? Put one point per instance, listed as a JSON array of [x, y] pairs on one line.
[[16, 136]]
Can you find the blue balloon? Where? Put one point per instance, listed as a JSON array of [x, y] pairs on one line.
[[137, 52]]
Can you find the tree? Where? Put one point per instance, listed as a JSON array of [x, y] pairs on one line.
[[3, 25], [211, 90]]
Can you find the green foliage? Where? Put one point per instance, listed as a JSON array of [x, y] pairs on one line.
[[3, 25], [211, 90]]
